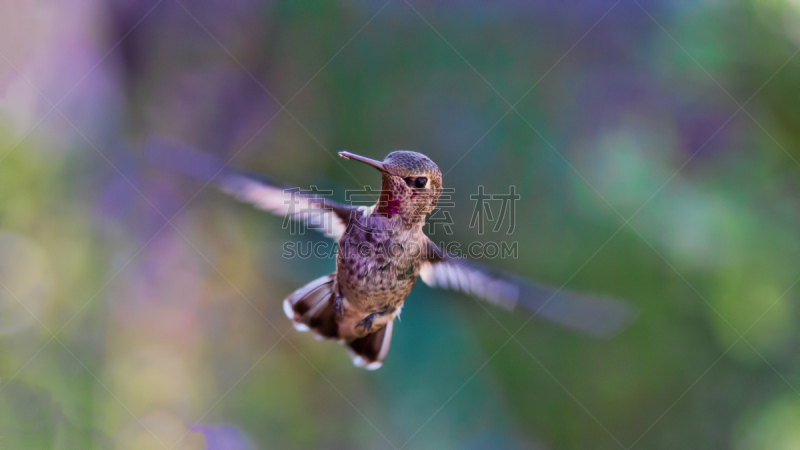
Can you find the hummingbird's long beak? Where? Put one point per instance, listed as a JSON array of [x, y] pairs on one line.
[[376, 164]]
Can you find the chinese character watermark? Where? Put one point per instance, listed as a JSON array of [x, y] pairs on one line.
[[483, 210]]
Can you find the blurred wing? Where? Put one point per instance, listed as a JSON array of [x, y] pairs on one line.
[[316, 212], [598, 316]]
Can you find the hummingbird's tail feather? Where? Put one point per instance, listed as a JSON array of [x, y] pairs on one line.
[[370, 351], [311, 308]]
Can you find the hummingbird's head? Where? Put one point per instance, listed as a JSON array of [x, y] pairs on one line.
[[411, 184]]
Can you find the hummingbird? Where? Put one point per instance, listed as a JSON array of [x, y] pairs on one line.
[[382, 252]]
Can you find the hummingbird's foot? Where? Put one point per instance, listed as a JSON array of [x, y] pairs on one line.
[[338, 307], [366, 323]]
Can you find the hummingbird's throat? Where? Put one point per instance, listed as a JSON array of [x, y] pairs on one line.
[[392, 207], [393, 204]]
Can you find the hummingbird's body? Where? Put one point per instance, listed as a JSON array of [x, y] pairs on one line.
[[370, 283], [383, 274], [383, 250]]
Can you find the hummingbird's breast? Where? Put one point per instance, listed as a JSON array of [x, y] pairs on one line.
[[378, 263]]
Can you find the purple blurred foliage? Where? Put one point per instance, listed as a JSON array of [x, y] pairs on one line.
[[141, 213], [219, 109], [708, 131], [222, 437]]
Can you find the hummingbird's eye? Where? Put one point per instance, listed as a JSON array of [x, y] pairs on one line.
[[418, 183]]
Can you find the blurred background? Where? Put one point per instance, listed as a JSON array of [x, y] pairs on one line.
[[654, 146]]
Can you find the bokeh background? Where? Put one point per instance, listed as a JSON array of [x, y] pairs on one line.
[[654, 144]]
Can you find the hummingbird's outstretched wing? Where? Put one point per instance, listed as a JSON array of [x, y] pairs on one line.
[[316, 212], [598, 316]]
